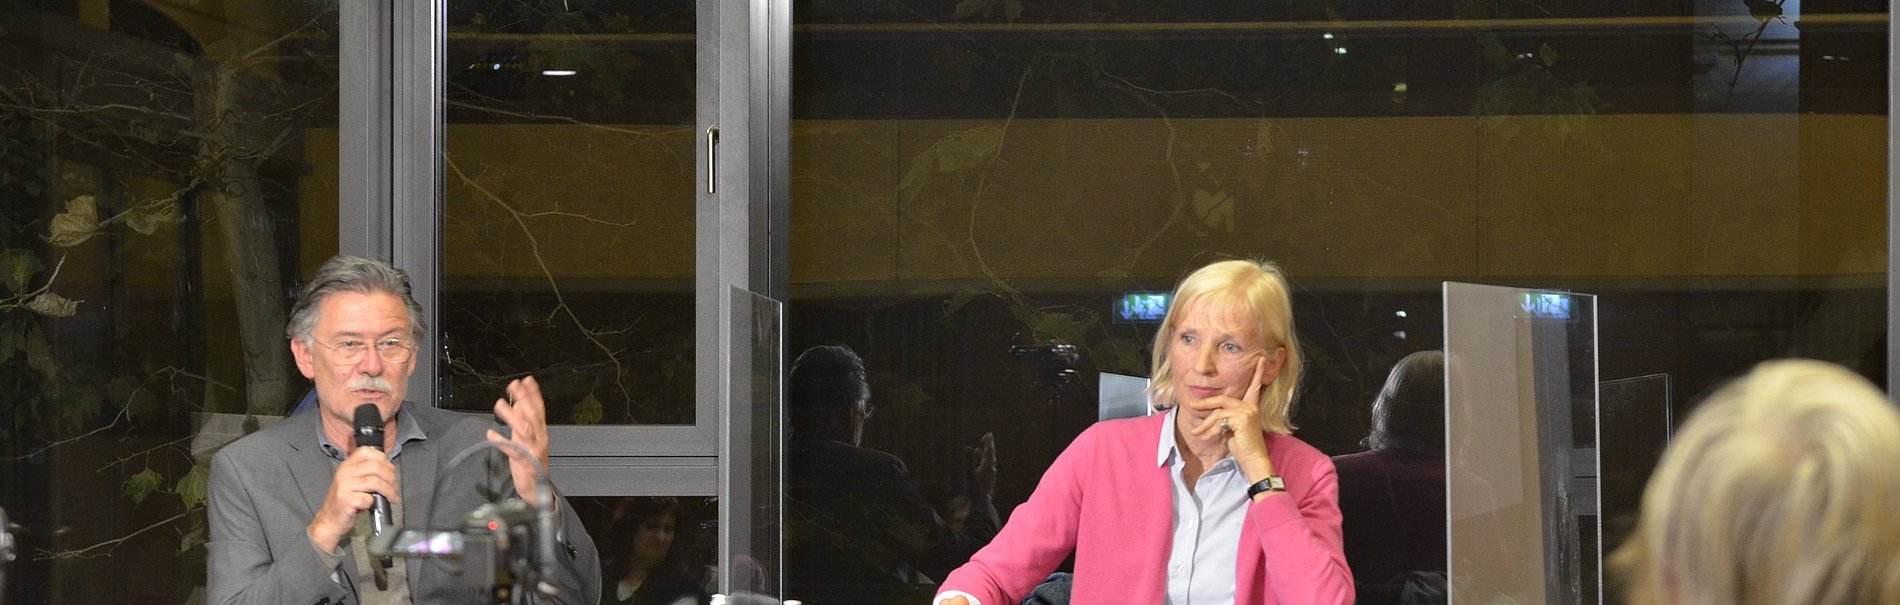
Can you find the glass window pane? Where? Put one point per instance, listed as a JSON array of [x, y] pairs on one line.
[[971, 178], [568, 186], [168, 175], [653, 549]]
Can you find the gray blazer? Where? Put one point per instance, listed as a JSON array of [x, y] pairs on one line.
[[266, 487]]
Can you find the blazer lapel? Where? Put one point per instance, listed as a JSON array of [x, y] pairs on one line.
[[312, 470], [309, 467], [417, 464]]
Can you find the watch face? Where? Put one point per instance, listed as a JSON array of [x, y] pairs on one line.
[[1275, 482]]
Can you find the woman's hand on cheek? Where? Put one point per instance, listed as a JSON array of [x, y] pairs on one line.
[[1239, 420]]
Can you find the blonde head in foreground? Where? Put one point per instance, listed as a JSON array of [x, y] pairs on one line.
[[1782, 488]]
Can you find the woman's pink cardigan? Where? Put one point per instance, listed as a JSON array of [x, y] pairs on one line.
[[1107, 500]]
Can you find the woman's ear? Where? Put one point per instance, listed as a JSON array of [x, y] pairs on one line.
[[1276, 360]]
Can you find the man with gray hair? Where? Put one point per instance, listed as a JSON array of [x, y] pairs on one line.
[[286, 501]]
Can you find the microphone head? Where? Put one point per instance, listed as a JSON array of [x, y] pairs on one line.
[[369, 426]]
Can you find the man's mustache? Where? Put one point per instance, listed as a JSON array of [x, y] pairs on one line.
[[373, 383]]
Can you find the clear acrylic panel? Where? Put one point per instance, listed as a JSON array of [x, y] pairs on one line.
[[1521, 404], [753, 426], [1636, 423]]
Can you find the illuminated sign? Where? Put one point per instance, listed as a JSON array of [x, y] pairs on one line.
[[1543, 305], [1141, 307]]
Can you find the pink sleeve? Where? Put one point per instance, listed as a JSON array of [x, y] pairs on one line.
[[1040, 533], [1304, 548]]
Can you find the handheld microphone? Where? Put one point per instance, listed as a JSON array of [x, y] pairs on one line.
[[369, 433]]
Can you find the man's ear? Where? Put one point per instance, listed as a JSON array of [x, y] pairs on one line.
[[305, 363]]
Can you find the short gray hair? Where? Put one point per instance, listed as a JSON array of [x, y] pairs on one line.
[[346, 273]]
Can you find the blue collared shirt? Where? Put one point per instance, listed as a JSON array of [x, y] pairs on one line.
[[1207, 520], [406, 431]]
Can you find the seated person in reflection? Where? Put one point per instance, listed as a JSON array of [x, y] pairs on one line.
[[1780, 489], [287, 503], [1393, 497], [1214, 501], [858, 526], [640, 556]]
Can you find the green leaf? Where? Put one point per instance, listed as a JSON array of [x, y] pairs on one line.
[[53, 305], [191, 539], [143, 484], [39, 355], [908, 397], [967, 8], [1215, 209], [1496, 54], [227, 51], [959, 300], [19, 265], [968, 148], [77, 224], [148, 218], [952, 153], [191, 488], [141, 405], [920, 168], [1070, 328], [1121, 355], [588, 411], [79, 405], [10, 339], [1548, 54], [1263, 141]]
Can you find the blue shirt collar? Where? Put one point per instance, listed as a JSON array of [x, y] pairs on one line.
[[1167, 452], [406, 431]]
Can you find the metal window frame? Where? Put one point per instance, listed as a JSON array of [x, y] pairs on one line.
[[1893, 201], [391, 144]]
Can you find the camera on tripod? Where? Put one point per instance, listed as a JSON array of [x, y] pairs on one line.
[[495, 547], [1053, 364]]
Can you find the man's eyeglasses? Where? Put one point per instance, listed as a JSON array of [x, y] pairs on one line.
[[350, 351]]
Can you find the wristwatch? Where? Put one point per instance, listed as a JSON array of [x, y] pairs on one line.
[[1273, 483]]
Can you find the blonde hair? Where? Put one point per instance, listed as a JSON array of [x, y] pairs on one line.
[[1260, 289], [1780, 490]]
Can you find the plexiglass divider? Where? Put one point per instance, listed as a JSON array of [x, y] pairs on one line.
[[754, 447], [1636, 423], [1521, 408]]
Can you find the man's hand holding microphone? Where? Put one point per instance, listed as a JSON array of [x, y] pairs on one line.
[[363, 476]]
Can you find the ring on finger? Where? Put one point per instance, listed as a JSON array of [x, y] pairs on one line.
[[1224, 426]]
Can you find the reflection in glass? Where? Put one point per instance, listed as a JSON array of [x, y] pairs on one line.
[[858, 525], [972, 176], [1392, 496], [568, 193], [166, 172], [653, 550], [754, 552], [1637, 425]]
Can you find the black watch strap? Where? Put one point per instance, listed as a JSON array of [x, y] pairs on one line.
[[1273, 483]]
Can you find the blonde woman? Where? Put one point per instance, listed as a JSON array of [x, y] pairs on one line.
[[1212, 502], [1781, 489]]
